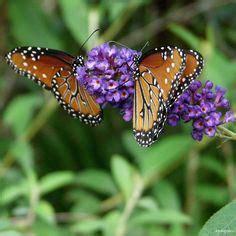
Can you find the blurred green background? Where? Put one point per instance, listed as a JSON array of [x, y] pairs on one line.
[[60, 177]]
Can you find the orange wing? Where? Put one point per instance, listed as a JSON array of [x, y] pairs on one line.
[[38, 64], [193, 68], [55, 70], [149, 110], [75, 99], [156, 80], [166, 65]]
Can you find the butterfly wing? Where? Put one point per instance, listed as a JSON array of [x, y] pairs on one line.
[[38, 64], [149, 109], [75, 99], [156, 80], [193, 68], [166, 64], [55, 71]]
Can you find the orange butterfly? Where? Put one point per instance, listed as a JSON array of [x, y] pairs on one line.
[[161, 76], [56, 71]]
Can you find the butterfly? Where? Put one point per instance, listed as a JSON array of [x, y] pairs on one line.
[[55, 70], [161, 75]]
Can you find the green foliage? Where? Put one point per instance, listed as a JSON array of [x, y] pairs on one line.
[[157, 160], [222, 222], [97, 180], [56, 180], [20, 111], [167, 195], [23, 154], [122, 172], [219, 67], [160, 217], [30, 26], [76, 14], [88, 226], [60, 177], [192, 40]]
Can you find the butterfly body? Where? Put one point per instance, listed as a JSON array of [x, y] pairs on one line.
[[55, 70], [161, 75]]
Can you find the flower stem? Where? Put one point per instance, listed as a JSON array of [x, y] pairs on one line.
[[225, 133], [130, 206], [191, 180]]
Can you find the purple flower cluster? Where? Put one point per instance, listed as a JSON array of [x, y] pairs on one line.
[[107, 75], [203, 106]]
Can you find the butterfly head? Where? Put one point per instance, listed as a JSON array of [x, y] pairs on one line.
[[136, 72], [136, 59], [79, 61]]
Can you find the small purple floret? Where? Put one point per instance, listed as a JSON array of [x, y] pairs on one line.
[[173, 119], [107, 75], [229, 117], [201, 106]]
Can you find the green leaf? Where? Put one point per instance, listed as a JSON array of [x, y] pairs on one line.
[[46, 212], [161, 156], [20, 111], [160, 217], [115, 8], [210, 163], [75, 14], [214, 194], [110, 225], [192, 40], [29, 24], [222, 222], [86, 202], [167, 195], [10, 233], [41, 227], [88, 226], [219, 67], [148, 203], [177, 230], [56, 180], [23, 154], [122, 173], [5, 223], [4, 147], [97, 180], [13, 192]]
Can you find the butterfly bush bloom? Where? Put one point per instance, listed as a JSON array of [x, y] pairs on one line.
[[203, 106], [107, 75]]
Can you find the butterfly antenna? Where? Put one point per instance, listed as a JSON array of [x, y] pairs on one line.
[[130, 66], [88, 39], [145, 45]]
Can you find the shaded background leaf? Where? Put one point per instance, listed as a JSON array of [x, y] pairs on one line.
[[222, 222], [60, 177]]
